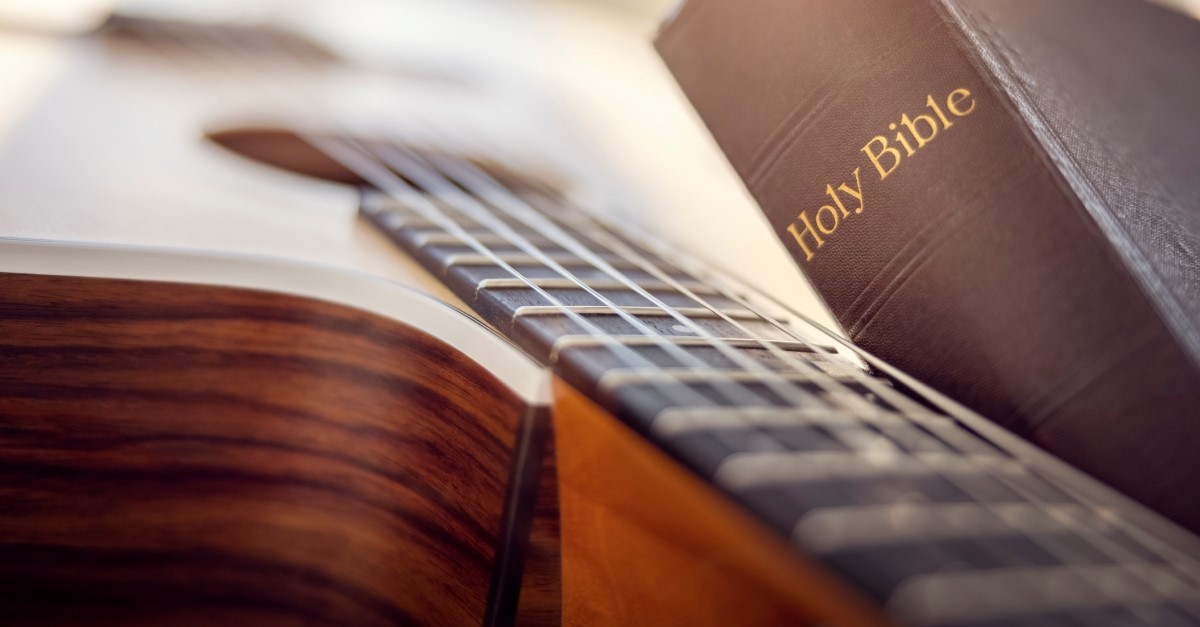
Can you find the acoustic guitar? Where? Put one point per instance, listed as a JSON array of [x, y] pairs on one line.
[[288, 337]]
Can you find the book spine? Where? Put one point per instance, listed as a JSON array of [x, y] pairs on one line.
[[897, 171]]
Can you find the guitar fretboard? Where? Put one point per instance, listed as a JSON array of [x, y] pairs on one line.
[[913, 507]]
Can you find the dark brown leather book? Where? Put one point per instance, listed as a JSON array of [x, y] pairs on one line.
[[1001, 197]]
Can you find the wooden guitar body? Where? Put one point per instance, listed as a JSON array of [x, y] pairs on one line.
[[191, 454]]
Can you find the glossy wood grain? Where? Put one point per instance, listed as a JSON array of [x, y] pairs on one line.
[[541, 586], [646, 543], [175, 454]]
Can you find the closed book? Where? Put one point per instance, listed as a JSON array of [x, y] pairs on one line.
[[1001, 197]]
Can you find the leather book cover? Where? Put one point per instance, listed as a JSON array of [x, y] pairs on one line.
[[1000, 197]]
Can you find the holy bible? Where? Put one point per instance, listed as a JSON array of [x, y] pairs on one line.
[[1001, 197]]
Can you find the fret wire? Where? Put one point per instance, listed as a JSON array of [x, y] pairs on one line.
[[1050, 545], [834, 529], [695, 313], [618, 377], [568, 342], [552, 284], [986, 597], [536, 288]]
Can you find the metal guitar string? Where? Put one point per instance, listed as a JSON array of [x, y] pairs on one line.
[[492, 188], [410, 194]]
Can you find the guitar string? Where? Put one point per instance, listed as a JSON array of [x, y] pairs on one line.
[[715, 310], [829, 383]]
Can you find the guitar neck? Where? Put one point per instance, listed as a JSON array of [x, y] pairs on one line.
[[918, 510]]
